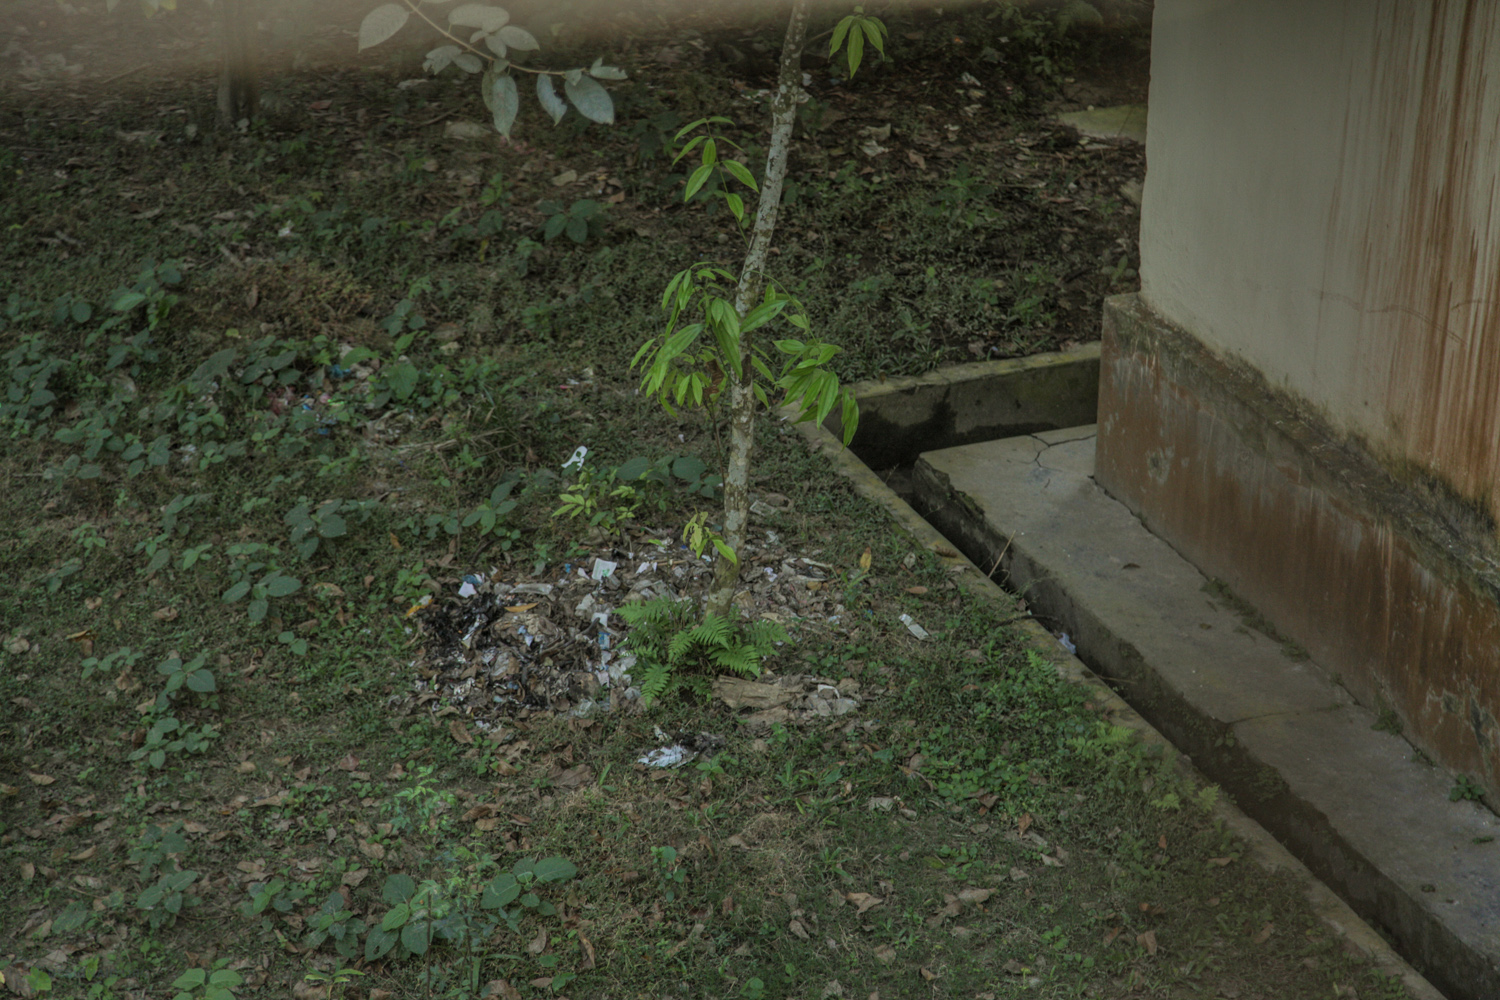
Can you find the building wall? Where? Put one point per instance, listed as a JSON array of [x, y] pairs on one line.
[[1322, 202]]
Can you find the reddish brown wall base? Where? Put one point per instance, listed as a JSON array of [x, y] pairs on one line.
[[1384, 584]]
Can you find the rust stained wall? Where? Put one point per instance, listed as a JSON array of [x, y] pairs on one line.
[[1323, 203], [1316, 535], [1416, 207]]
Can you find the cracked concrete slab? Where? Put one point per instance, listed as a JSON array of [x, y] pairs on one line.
[[1356, 805]]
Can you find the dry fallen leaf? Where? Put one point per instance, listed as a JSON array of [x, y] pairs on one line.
[[165, 614], [865, 559], [245, 767], [538, 944], [459, 732], [863, 901], [28, 871], [918, 590], [40, 779], [973, 895], [85, 854], [1147, 941], [1264, 934], [588, 951], [309, 991], [1024, 823], [885, 954]]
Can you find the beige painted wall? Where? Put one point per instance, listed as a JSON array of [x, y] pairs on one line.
[[1322, 200]]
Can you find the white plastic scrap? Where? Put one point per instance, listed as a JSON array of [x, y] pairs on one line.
[[914, 628], [602, 568], [675, 755], [539, 589], [1066, 643], [579, 454]]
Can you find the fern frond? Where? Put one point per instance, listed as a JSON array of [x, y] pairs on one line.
[[763, 635], [740, 658], [655, 681], [677, 648], [713, 631]]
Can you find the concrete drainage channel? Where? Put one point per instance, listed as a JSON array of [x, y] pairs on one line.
[[990, 465]]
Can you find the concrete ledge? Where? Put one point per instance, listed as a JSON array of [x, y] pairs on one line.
[[1262, 848], [900, 418], [1293, 748], [1391, 583]]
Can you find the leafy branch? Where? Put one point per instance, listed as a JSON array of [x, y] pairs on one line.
[[492, 62]]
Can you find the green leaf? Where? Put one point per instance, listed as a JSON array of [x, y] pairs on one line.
[[850, 417], [688, 128], [396, 916], [741, 173], [379, 943], [478, 15], [280, 585], [546, 93], [856, 51], [696, 181], [402, 378], [128, 301], [381, 23], [201, 681], [178, 881], [440, 58], [554, 869], [555, 226], [417, 936], [685, 150], [736, 205], [578, 229], [841, 30], [591, 100], [518, 38], [258, 609], [505, 103], [875, 32], [332, 526], [398, 889], [190, 979], [501, 892], [602, 72]]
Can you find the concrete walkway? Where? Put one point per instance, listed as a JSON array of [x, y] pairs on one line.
[[1357, 805]]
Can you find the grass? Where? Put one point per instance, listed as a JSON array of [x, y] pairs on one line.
[[215, 521]]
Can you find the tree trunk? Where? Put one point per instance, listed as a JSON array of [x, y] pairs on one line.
[[752, 281], [239, 83]]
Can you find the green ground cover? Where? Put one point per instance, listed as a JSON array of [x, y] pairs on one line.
[[219, 769]]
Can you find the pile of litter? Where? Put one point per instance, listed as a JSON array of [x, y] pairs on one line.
[[551, 642]]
